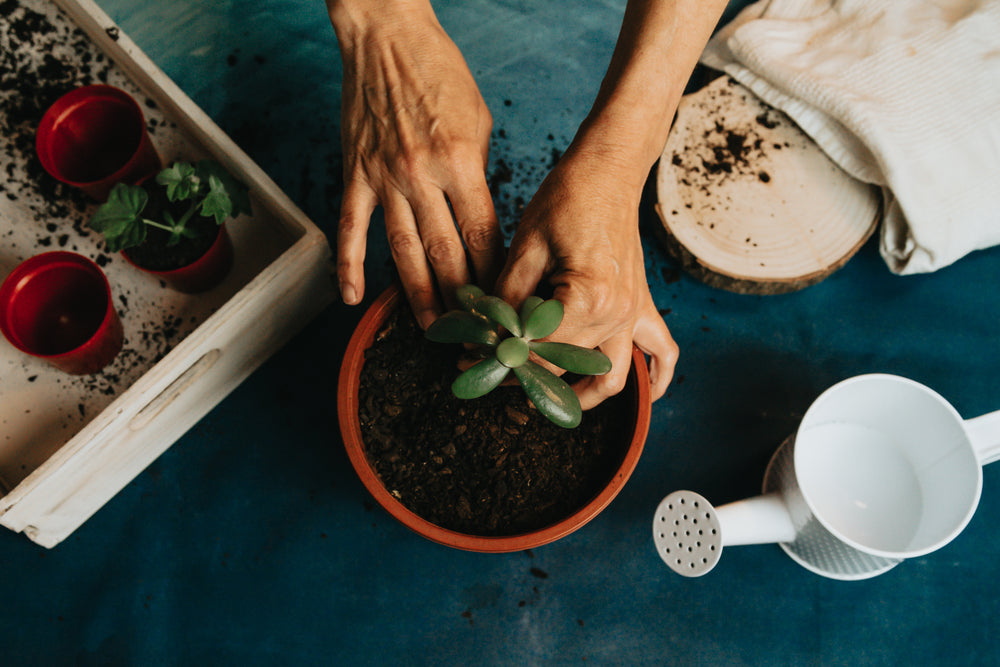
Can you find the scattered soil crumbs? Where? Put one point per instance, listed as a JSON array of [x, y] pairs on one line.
[[39, 62], [493, 466], [42, 56], [728, 150], [512, 181]]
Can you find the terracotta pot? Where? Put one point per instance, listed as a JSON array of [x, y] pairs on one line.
[[350, 428], [202, 274], [93, 137], [57, 306]]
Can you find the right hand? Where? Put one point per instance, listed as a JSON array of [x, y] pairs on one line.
[[415, 133]]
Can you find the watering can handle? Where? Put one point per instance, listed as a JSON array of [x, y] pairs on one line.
[[761, 520], [984, 432]]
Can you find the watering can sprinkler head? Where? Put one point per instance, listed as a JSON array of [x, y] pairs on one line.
[[687, 533]]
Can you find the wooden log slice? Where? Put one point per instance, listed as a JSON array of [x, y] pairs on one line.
[[749, 203]]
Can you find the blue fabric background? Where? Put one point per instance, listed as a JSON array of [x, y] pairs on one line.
[[251, 541]]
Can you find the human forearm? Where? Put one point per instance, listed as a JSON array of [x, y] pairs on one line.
[[658, 46]]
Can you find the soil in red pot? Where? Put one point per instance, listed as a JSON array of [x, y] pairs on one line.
[[492, 466], [154, 253]]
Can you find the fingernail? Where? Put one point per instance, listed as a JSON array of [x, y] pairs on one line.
[[426, 318], [348, 294]]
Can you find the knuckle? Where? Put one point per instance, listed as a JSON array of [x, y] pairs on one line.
[[614, 382], [465, 162], [600, 301], [672, 353], [403, 243], [349, 224], [408, 165], [480, 238], [443, 252]]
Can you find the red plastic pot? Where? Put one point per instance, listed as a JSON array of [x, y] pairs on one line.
[[94, 137], [350, 429], [202, 274], [57, 306]]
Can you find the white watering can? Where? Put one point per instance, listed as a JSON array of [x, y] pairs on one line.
[[881, 469]]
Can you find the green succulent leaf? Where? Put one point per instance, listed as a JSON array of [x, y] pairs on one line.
[[459, 326], [467, 295], [500, 312], [512, 352], [572, 358], [551, 395], [119, 218], [480, 379], [544, 319], [529, 305]]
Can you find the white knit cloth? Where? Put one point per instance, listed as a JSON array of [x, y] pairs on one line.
[[901, 93]]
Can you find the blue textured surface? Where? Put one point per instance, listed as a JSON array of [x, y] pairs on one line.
[[251, 541]]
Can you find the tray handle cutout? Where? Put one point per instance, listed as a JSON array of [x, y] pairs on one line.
[[152, 409]]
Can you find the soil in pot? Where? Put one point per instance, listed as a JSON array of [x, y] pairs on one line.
[[155, 255], [492, 466]]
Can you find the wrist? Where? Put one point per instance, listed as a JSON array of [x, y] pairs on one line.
[[355, 20], [626, 141]]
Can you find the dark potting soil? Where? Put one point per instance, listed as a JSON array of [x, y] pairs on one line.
[[492, 466], [154, 253]]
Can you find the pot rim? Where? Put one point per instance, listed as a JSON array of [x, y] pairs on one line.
[[90, 355], [350, 428], [143, 157], [194, 265]]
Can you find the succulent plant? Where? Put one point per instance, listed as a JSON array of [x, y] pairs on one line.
[[506, 339]]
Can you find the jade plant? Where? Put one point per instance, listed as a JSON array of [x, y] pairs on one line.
[[207, 188], [506, 339]]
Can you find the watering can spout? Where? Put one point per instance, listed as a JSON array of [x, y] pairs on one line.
[[689, 532], [761, 520]]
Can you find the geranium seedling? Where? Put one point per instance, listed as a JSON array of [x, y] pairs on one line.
[[210, 189]]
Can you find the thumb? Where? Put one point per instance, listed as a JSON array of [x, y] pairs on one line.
[[523, 271]]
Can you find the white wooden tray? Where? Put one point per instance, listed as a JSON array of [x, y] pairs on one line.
[[68, 444]]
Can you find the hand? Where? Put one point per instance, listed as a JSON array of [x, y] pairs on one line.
[[416, 139], [581, 232]]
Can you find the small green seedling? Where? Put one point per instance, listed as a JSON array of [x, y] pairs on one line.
[[210, 189], [480, 322]]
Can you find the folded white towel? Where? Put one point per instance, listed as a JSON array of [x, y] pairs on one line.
[[901, 93]]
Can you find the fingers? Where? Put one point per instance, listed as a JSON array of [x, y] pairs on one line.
[[441, 243], [523, 271], [411, 259], [425, 244], [650, 334], [652, 337], [352, 235], [595, 389], [477, 220]]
